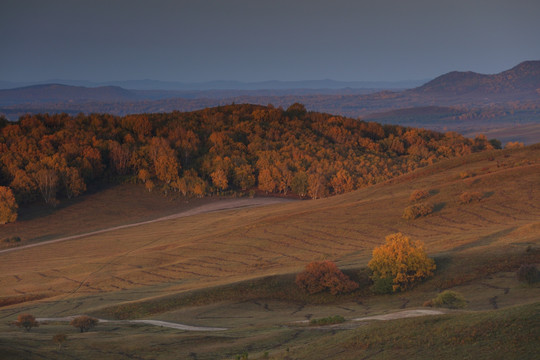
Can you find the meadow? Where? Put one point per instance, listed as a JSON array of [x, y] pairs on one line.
[[235, 269]]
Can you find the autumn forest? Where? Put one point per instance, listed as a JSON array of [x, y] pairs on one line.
[[236, 149]]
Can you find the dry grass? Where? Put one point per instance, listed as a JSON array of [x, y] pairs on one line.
[[223, 247], [109, 207]]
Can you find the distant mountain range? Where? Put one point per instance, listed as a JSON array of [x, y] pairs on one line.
[[51, 93], [459, 101], [60, 93], [519, 83], [523, 79], [225, 85]]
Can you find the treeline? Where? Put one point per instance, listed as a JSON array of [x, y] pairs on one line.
[[234, 148]]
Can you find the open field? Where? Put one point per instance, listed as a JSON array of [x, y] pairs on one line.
[[114, 206], [194, 209], [235, 269]]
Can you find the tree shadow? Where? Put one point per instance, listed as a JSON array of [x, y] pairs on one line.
[[484, 240], [442, 262], [439, 206], [488, 194], [40, 209]]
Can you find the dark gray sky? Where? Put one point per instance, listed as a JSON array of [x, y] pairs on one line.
[[254, 40]]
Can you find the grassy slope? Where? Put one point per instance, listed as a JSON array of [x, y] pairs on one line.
[[218, 248], [474, 244], [106, 208], [512, 333]]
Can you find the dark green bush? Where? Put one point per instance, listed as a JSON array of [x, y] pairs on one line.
[[527, 273], [330, 320], [449, 299], [382, 286]]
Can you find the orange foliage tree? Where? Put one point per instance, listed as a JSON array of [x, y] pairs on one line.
[[320, 276], [26, 321], [84, 323], [222, 149], [402, 260], [8, 206]]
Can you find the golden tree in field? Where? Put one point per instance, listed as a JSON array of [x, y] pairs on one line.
[[402, 260]]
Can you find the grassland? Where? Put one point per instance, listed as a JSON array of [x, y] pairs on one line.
[[235, 269]]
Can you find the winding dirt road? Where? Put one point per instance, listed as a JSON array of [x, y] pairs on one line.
[[146, 322], [221, 205], [401, 315], [385, 317]]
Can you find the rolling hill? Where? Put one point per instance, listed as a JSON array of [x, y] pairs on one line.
[[54, 93], [282, 238], [225, 267], [472, 103], [521, 81], [233, 269], [465, 89]]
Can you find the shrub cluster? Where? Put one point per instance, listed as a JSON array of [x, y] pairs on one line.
[[514, 145], [13, 239], [329, 320], [59, 339], [448, 299], [466, 174], [528, 273], [468, 197], [417, 210], [418, 195], [320, 276], [382, 285]]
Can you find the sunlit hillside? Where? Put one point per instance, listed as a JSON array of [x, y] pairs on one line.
[[228, 246], [150, 270]]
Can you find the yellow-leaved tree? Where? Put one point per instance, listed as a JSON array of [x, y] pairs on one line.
[[399, 263], [8, 206]]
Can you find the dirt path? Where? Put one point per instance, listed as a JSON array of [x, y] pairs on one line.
[[385, 317], [354, 323], [221, 205], [400, 315], [147, 322]]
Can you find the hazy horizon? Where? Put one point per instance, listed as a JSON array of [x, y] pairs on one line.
[[256, 41]]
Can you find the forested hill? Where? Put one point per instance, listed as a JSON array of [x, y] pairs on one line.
[[236, 148]]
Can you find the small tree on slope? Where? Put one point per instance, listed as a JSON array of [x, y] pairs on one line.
[[26, 321], [84, 323]]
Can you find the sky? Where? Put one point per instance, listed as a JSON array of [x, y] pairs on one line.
[[258, 40]]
